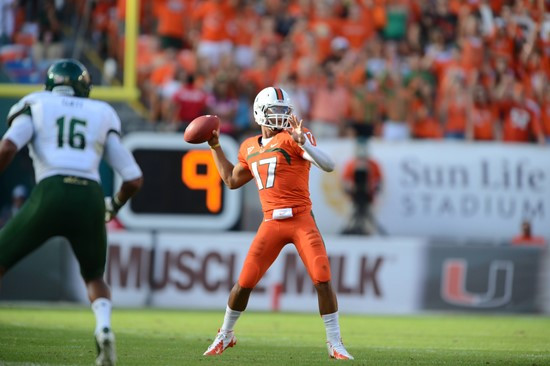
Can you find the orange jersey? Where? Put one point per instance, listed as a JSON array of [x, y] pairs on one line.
[[483, 122], [280, 171]]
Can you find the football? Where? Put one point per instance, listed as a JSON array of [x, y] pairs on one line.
[[200, 129]]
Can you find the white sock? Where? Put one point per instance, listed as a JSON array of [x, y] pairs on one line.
[[102, 311], [332, 327], [231, 317]]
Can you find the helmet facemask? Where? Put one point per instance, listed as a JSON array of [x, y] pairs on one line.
[[277, 116]]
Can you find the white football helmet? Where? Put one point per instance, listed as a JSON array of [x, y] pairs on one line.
[[272, 108]]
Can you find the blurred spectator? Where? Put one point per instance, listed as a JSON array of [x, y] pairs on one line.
[[7, 21], [298, 96], [223, 103], [454, 104], [424, 123], [187, 103], [545, 112], [323, 25], [397, 101], [18, 197], [330, 105], [482, 124], [242, 29], [171, 25], [440, 18], [357, 26], [397, 13], [163, 73], [244, 118], [50, 36], [521, 119], [100, 26], [339, 47], [364, 108], [526, 237], [211, 20]]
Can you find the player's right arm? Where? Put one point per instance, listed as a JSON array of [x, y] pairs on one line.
[[19, 133], [234, 176], [123, 162], [120, 159]]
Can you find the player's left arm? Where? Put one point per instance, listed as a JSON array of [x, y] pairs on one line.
[[312, 152]]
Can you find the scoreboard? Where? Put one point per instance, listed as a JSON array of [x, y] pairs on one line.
[[182, 188]]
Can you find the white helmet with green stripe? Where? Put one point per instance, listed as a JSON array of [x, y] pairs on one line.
[[272, 108]]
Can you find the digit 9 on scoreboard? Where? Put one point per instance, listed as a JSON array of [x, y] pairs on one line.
[[209, 180], [182, 188]]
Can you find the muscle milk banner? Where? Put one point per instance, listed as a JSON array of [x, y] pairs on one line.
[[443, 189], [197, 271]]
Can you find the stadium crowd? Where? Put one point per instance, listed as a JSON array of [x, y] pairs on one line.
[[397, 69]]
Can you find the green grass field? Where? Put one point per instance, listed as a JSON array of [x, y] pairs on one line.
[[61, 335]]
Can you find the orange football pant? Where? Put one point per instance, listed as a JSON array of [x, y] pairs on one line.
[[273, 235]]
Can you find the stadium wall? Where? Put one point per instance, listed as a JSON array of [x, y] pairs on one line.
[[371, 275]]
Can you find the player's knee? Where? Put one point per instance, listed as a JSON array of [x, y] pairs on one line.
[[250, 275], [321, 269]]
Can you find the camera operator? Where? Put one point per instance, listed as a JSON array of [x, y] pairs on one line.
[[362, 181]]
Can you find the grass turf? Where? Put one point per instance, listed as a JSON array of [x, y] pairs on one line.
[[61, 335]]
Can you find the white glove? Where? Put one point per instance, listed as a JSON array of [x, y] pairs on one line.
[[112, 205]]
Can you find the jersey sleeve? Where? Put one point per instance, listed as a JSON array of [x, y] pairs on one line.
[[113, 121], [312, 153], [19, 108], [120, 159], [20, 131], [242, 156]]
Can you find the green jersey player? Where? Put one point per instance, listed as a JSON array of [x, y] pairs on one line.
[[68, 134]]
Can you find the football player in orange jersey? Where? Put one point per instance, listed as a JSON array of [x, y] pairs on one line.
[[279, 161]]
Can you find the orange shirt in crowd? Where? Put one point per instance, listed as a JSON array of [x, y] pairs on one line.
[[472, 53], [121, 9], [520, 124], [502, 46], [427, 128], [330, 104], [325, 31], [243, 28], [213, 17], [357, 28], [163, 73], [379, 18], [456, 117], [171, 17], [545, 118], [483, 120], [100, 16]]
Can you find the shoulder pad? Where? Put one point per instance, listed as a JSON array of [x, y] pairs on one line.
[[21, 107]]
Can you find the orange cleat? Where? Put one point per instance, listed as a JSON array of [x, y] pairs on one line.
[[222, 341], [338, 351]]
